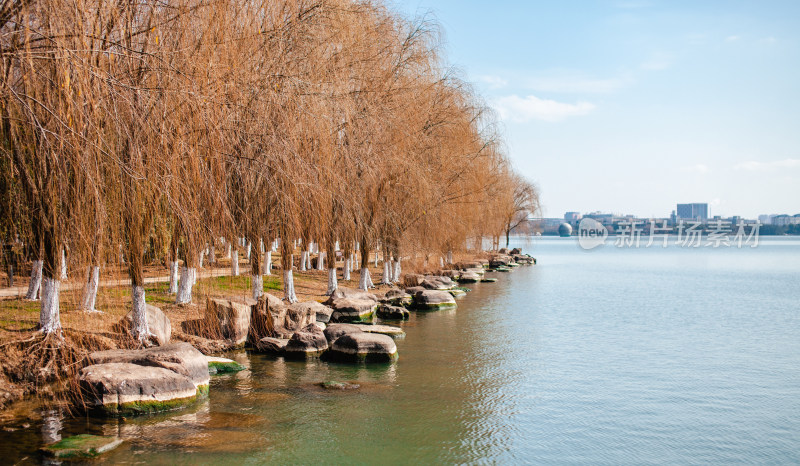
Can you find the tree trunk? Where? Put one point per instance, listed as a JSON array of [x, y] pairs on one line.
[[397, 270], [90, 290], [346, 270], [49, 315], [255, 272], [288, 287], [235, 263], [268, 263], [249, 250], [139, 327], [386, 278], [332, 282], [321, 261], [449, 257], [212, 259], [184, 295], [508, 236], [364, 282], [36, 280], [173, 276], [63, 264], [303, 261]]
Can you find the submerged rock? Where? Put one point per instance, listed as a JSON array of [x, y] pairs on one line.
[[309, 342], [125, 388], [82, 446], [469, 277], [397, 297], [433, 300], [488, 280], [389, 312], [223, 365], [334, 385], [363, 347], [457, 293]]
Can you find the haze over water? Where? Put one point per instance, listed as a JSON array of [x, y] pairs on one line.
[[613, 356]]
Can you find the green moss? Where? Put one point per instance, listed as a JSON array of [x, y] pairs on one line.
[[81, 446], [135, 408], [435, 307], [457, 293], [215, 367]]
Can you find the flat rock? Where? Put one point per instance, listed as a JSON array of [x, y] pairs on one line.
[[433, 300], [456, 293], [271, 345], [125, 388], [308, 342], [353, 310], [397, 297], [342, 292], [334, 385], [83, 446], [363, 347], [334, 331], [223, 365], [488, 280], [388, 330], [469, 277], [389, 312], [180, 357]]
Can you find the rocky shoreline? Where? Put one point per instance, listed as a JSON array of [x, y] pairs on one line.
[[174, 374]]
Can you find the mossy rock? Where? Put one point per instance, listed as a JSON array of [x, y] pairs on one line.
[[81, 446], [488, 280], [502, 269], [334, 385], [223, 366], [457, 293], [513, 264], [435, 307]]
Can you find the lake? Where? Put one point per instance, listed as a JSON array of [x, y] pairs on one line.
[[608, 356]]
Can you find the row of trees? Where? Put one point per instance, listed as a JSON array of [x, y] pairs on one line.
[[152, 129]]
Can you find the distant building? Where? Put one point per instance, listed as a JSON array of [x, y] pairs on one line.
[[570, 217], [786, 220], [765, 219], [695, 211]]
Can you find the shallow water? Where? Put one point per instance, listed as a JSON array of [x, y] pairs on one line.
[[613, 356]]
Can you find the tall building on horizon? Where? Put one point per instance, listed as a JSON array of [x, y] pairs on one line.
[[694, 211]]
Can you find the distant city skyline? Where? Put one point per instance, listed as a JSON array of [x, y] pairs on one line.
[[632, 105]]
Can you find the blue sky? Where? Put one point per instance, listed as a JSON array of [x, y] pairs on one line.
[[631, 106]]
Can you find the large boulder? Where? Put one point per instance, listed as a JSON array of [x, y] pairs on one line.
[[411, 279], [397, 297], [389, 312], [223, 365], [322, 312], [272, 345], [500, 260], [353, 310], [308, 342], [124, 388], [432, 300], [515, 251], [157, 322], [334, 331], [411, 290], [268, 319], [363, 347], [180, 357], [300, 315], [466, 265], [229, 319], [449, 273], [352, 294]]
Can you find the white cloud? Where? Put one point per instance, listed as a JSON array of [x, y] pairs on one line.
[[767, 166], [731, 38], [577, 84], [699, 168], [769, 40], [657, 62], [523, 109], [494, 82]]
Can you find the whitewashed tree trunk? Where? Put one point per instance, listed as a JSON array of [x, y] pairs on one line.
[[268, 263], [308, 255], [258, 286], [173, 277], [228, 254], [184, 295], [376, 258], [212, 258], [321, 261], [386, 278], [235, 263], [202, 254], [364, 281], [441, 261], [36, 280], [261, 245], [63, 264], [303, 255], [332, 282], [397, 271], [90, 290], [288, 287], [49, 315], [346, 271], [139, 327], [249, 250], [449, 257]]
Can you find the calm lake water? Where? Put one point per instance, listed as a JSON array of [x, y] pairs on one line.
[[609, 356]]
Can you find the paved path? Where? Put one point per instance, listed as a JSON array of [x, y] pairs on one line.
[[19, 291]]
